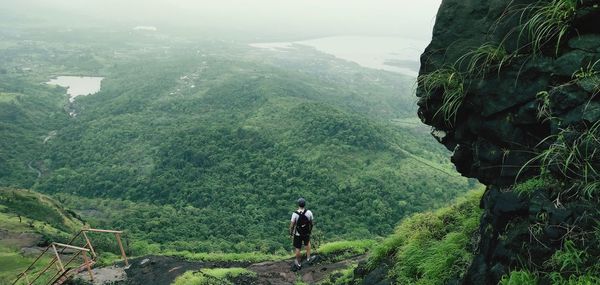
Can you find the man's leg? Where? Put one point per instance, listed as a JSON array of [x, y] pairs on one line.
[[298, 256], [297, 246], [308, 250]]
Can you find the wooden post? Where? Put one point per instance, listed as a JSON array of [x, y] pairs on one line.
[[87, 265], [118, 236], [89, 244], [104, 231], [58, 258]]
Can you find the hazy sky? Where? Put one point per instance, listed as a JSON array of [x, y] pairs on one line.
[[412, 18]]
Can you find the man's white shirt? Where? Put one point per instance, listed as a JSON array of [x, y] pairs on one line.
[[295, 217]]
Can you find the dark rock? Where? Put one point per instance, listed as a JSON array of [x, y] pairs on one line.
[[589, 42], [377, 277], [567, 97], [570, 62], [463, 159], [498, 271], [527, 114], [498, 129]]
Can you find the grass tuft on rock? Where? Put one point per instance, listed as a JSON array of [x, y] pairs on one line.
[[481, 60], [548, 21], [451, 82]]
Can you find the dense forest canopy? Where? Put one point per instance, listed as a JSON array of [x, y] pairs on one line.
[[205, 145]]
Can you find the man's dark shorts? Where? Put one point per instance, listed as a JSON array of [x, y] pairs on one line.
[[300, 240]]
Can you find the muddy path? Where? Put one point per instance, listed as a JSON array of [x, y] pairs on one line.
[[163, 270], [279, 273]]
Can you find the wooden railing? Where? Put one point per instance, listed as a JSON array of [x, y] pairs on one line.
[[63, 271]]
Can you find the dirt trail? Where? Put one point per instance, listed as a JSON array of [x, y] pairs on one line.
[[278, 273], [163, 270]]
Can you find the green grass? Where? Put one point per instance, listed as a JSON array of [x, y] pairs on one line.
[[340, 277], [543, 110], [228, 257], [569, 258], [587, 279], [572, 155], [519, 277], [529, 186], [547, 21], [483, 58], [432, 247], [353, 247], [588, 77], [12, 263], [40, 215], [38, 207], [214, 276], [451, 82], [338, 249]]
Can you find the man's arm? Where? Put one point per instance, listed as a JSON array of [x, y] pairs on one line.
[[292, 225]]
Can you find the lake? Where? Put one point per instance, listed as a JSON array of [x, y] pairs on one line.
[[394, 54], [78, 85]]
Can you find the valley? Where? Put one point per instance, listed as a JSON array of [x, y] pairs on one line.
[[199, 147]]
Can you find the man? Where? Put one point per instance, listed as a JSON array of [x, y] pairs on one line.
[[300, 229]]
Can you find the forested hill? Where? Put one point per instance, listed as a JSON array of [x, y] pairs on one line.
[[206, 146]]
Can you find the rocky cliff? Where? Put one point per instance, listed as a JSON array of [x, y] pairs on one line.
[[511, 88]]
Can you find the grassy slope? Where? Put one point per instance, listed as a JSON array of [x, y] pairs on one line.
[[428, 248], [41, 216]]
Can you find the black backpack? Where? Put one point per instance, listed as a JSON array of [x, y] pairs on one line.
[[303, 224]]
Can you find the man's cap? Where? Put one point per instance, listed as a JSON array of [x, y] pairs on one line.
[[301, 202]]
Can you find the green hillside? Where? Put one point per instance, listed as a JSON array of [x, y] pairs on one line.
[[27, 220], [206, 147], [28, 114]]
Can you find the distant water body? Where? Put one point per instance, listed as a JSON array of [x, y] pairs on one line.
[[394, 54], [78, 85]]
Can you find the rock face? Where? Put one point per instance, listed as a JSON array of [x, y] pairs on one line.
[[497, 96]]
